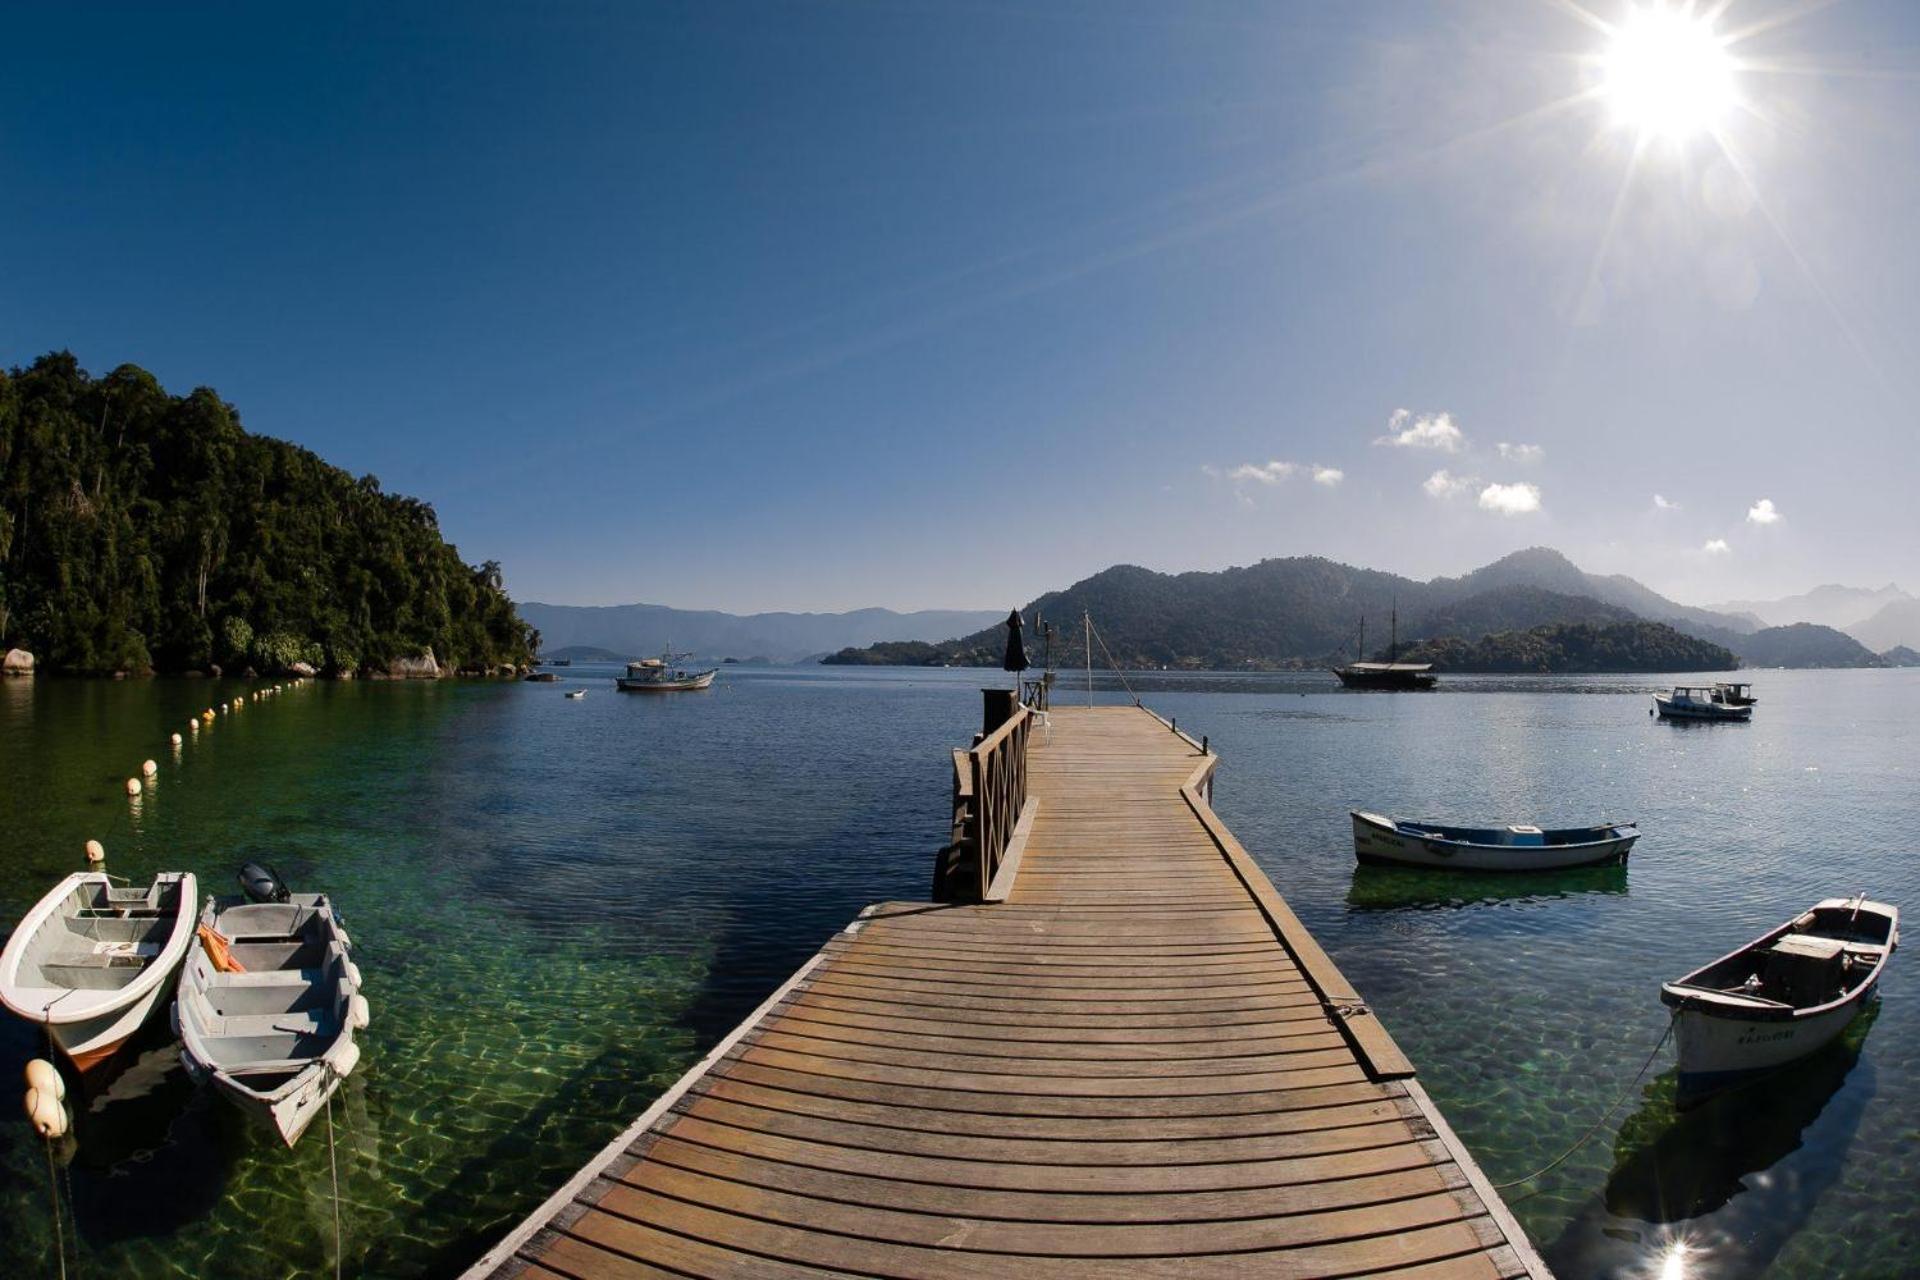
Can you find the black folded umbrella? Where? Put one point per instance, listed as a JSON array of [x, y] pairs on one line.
[[1016, 659]]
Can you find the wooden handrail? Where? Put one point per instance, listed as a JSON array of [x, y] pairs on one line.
[[989, 794]]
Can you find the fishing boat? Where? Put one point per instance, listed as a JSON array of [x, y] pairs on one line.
[[660, 675], [91, 962], [1398, 842], [1780, 997], [1735, 694], [1697, 702], [576, 693], [1388, 675], [268, 1004]]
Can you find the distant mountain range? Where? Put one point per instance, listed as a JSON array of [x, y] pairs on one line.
[[1305, 611], [639, 629], [1831, 605]]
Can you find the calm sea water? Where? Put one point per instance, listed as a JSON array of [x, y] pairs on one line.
[[558, 904]]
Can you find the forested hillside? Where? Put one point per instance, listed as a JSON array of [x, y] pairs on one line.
[[143, 531]]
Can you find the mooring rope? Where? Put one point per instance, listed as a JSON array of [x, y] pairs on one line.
[[59, 1230], [1560, 1159], [333, 1167], [1111, 664]]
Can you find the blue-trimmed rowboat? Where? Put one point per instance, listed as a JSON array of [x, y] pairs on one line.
[[1780, 997], [1404, 843]]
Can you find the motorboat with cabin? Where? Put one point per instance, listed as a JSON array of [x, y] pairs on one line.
[[269, 1002], [1390, 675], [1782, 996], [661, 675], [1399, 842], [1698, 702], [92, 961]]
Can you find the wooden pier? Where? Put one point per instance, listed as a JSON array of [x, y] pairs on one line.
[[1126, 1058]]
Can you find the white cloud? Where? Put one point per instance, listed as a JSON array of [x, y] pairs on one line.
[[1716, 547], [1510, 499], [1445, 484], [1763, 512], [1428, 431], [1665, 504], [1271, 473], [1328, 476], [1526, 454]]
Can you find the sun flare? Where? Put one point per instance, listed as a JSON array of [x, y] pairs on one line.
[[1667, 73]]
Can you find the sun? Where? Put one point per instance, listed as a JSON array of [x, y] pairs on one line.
[[1667, 74]]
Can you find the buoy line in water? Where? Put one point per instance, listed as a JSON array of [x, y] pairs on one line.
[[1606, 1115]]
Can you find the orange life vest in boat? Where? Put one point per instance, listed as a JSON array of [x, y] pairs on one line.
[[219, 950]]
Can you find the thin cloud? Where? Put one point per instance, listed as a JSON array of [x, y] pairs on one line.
[[1328, 476], [1664, 504], [1427, 431], [1444, 484], [1764, 512], [1524, 454], [1259, 473], [1716, 547], [1510, 499]]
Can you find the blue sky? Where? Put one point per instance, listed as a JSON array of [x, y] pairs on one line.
[[819, 305]]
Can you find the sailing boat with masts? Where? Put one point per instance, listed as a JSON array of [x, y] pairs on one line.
[[1390, 674]]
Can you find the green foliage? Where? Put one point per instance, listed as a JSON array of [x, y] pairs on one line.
[[132, 522], [1579, 646], [238, 637], [276, 651]]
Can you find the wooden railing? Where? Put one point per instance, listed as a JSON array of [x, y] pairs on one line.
[[989, 794], [1037, 693]]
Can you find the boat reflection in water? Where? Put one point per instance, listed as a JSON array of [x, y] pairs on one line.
[[1729, 1182], [1399, 888]]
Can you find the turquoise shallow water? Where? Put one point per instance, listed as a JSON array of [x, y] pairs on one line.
[[558, 904]]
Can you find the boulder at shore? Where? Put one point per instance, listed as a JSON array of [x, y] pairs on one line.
[[18, 662], [421, 668]]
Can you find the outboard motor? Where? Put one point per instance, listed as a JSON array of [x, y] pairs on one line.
[[262, 884]]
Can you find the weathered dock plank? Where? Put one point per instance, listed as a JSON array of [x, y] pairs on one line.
[[1138, 1063]]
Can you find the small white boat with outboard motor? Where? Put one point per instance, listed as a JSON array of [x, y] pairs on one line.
[[1699, 702], [92, 961], [268, 1004], [1780, 997], [1401, 842]]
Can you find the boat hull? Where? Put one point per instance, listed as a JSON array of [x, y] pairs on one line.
[[700, 681], [1377, 842], [1387, 681], [1718, 1051], [1671, 710]]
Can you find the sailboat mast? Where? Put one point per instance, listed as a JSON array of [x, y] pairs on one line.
[[1393, 644], [1087, 618]]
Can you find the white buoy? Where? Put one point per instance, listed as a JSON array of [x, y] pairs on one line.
[[44, 1112], [177, 739], [96, 852], [344, 1061], [359, 1012], [133, 786], [149, 768], [43, 1075]]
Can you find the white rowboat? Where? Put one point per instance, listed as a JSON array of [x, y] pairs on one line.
[[91, 962], [1780, 997], [277, 1037]]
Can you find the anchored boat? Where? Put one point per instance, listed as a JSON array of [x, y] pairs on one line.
[[1388, 675], [1782, 996], [1698, 702], [1399, 842], [659, 675], [269, 1003], [91, 962]]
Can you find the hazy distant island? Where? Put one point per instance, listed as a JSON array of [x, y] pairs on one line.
[[143, 532], [1534, 610]]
